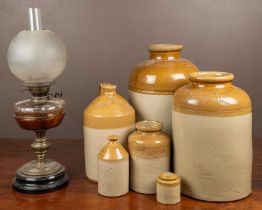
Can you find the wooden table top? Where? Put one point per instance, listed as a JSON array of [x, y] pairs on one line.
[[82, 194]]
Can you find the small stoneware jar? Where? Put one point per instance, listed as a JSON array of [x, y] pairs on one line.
[[154, 81], [108, 113], [212, 125], [113, 169], [149, 149], [168, 188]]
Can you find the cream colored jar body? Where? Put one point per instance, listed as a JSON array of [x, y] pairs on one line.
[[214, 159], [145, 171], [149, 149], [113, 177], [95, 140], [168, 194], [148, 107], [212, 133]]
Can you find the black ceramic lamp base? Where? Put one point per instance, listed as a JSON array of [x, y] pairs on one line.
[[40, 184]]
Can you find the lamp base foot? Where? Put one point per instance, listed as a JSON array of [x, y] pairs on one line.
[[31, 184]]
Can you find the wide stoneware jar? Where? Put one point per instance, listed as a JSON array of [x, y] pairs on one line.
[[212, 133], [154, 81], [149, 149], [108, 113], [113, 169]]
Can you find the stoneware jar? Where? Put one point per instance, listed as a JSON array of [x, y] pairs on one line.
[[113, 169], [149, 149], [212, 125], [108, 113], [168, 188], [154, 81]]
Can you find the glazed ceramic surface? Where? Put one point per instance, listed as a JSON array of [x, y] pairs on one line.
[[168, 188], [113, 169], [108, 113], [149, 149], [154, 81], [212, 125]]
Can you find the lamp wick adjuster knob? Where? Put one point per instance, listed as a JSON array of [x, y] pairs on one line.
[[57, 94]]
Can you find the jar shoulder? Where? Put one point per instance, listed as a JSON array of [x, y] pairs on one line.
[[147, 139], [161, 75], [107, 105], [216, 100]]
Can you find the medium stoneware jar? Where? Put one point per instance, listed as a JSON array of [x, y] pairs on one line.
[[212, 125], [113, 169], [168, 188], [108, 113], [154, 81], [149, 149]]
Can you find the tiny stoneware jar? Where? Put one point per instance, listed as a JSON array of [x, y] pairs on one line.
[[106, 114], [212, 125], [168, 188], [113, 169], [154, 81], [149, 150]]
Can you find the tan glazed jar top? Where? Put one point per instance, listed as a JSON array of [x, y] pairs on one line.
[[149, 126], [149, 141], [212, 93], [163, 73], [168, 178], [113, 150], [109, 110], [107, 88]]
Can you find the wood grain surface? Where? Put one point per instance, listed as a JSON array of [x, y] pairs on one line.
[[82, 194]]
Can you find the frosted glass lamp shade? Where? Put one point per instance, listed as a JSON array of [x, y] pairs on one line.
[[36, 56]]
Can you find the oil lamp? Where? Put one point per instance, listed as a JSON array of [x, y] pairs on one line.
[[37, 57]]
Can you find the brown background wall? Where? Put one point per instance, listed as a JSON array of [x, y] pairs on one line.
[[106, 39]]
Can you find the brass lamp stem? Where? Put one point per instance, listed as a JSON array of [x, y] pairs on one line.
[[40, 147]]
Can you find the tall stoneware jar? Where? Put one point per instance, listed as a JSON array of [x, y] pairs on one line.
[[212, 125], [113, 169], [108, 113], [154, 81], [149, 150]]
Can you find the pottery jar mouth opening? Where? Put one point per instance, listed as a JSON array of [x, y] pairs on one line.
[[112, 138], [149, 126], [211, 77], [107, 88], [165, 51]]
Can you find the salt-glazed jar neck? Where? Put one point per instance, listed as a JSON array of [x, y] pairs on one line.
[[107, 89], [211, 79], [164, 51], [149, 126], [112, 139]]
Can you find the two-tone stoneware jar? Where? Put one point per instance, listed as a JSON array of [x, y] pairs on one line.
[[154, 81], [212, 127], [108, 113], [168, 188], [149, 150], [113, 169]]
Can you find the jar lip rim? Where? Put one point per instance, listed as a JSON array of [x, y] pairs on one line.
[[149, 126], [211, 77], [107, 87], [164, 47]]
